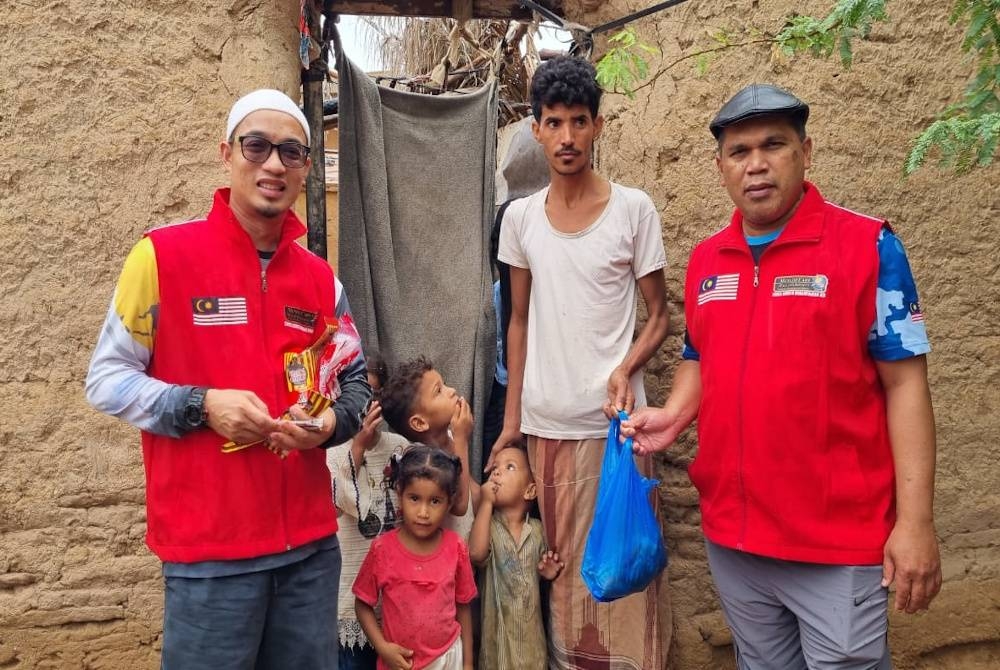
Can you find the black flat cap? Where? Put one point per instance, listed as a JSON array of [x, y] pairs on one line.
[[758, 100]]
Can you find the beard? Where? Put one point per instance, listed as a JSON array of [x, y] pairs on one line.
[[570, 170], [574, 168], [270, 211]]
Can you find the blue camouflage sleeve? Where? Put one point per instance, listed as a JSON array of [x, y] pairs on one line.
[[899, 331]]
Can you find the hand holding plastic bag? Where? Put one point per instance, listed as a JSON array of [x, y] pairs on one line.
[[624, 551]]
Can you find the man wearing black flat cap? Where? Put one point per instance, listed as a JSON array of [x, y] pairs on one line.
[[804, 362]]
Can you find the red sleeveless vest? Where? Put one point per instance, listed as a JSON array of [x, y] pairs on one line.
[[224, 324], [794, 460]]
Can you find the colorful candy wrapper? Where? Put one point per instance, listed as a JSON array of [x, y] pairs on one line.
[[311, 374], [316, 404], [342, 348]]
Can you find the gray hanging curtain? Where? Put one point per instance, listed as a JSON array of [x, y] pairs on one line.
[[416, 207]]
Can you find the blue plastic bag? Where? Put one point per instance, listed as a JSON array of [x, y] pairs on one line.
[[624, 551]]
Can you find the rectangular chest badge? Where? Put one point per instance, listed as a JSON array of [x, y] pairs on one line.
[[810, 286], [300, 319], [718, 287], [219, 311]]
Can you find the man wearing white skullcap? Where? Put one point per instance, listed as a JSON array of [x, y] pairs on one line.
[[265, 98], [238, 494]]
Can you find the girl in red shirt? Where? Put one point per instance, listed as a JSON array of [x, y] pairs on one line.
[[421, 572]]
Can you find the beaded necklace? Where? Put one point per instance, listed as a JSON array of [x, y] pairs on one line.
[[371, 525]]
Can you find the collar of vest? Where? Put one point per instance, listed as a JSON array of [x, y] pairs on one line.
[[806, 224], [222, 215]]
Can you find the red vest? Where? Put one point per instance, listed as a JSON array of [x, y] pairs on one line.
[[202, 504], [794, 460]]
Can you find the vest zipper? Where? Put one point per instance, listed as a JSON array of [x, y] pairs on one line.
[[279, 387], [740, 421]]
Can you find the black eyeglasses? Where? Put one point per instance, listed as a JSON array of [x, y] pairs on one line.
[[257, 150]]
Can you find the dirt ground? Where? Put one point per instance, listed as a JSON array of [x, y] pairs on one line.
[[110, 117]]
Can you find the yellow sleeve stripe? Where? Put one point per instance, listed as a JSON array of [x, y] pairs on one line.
[[137, 296]]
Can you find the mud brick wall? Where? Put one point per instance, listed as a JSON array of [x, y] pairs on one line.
[[111, 115]]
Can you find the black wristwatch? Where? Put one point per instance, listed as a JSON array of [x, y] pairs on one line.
[[195, 415]]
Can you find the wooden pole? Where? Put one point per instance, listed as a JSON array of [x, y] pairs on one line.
[[461, 10], [312, 99]]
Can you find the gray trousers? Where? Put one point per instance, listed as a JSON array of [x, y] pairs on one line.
[[786, 615]]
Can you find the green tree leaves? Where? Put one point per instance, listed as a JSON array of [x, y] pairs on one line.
[[966, 133], [624, 64], [847, 20]]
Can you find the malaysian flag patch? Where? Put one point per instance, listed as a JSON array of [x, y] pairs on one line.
[[718, 287], [916, 315], [219, 311]]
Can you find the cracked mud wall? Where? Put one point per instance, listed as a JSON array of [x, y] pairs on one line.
[[862, 123], [110, 117]]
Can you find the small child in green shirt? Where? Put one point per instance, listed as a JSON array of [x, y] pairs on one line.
[[510, 548]]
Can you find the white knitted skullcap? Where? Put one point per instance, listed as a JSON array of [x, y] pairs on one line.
[[265, 98]]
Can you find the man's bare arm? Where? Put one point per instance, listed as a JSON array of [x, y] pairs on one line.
[[655, 428], [517, 347], [911, 558], [652, 287]]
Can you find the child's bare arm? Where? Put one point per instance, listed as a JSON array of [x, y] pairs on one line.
[[479, 537], [476, 490], [367, 437], [465, 621], [550, 566], [393, 655], [461, 435]]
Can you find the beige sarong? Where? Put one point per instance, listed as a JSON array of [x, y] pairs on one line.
[[632, 633]]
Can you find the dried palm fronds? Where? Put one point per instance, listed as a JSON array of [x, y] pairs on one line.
[[442, 55]]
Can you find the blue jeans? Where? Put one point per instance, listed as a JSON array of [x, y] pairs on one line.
[[357, 658], [271, 620]]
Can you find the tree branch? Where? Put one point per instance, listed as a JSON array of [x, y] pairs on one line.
[[724, 47]]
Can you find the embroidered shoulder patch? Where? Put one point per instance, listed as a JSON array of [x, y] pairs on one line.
[[810, 286], [300, 319]]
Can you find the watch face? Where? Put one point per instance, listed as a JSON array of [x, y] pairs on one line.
[[192, 414], [194, 410]]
